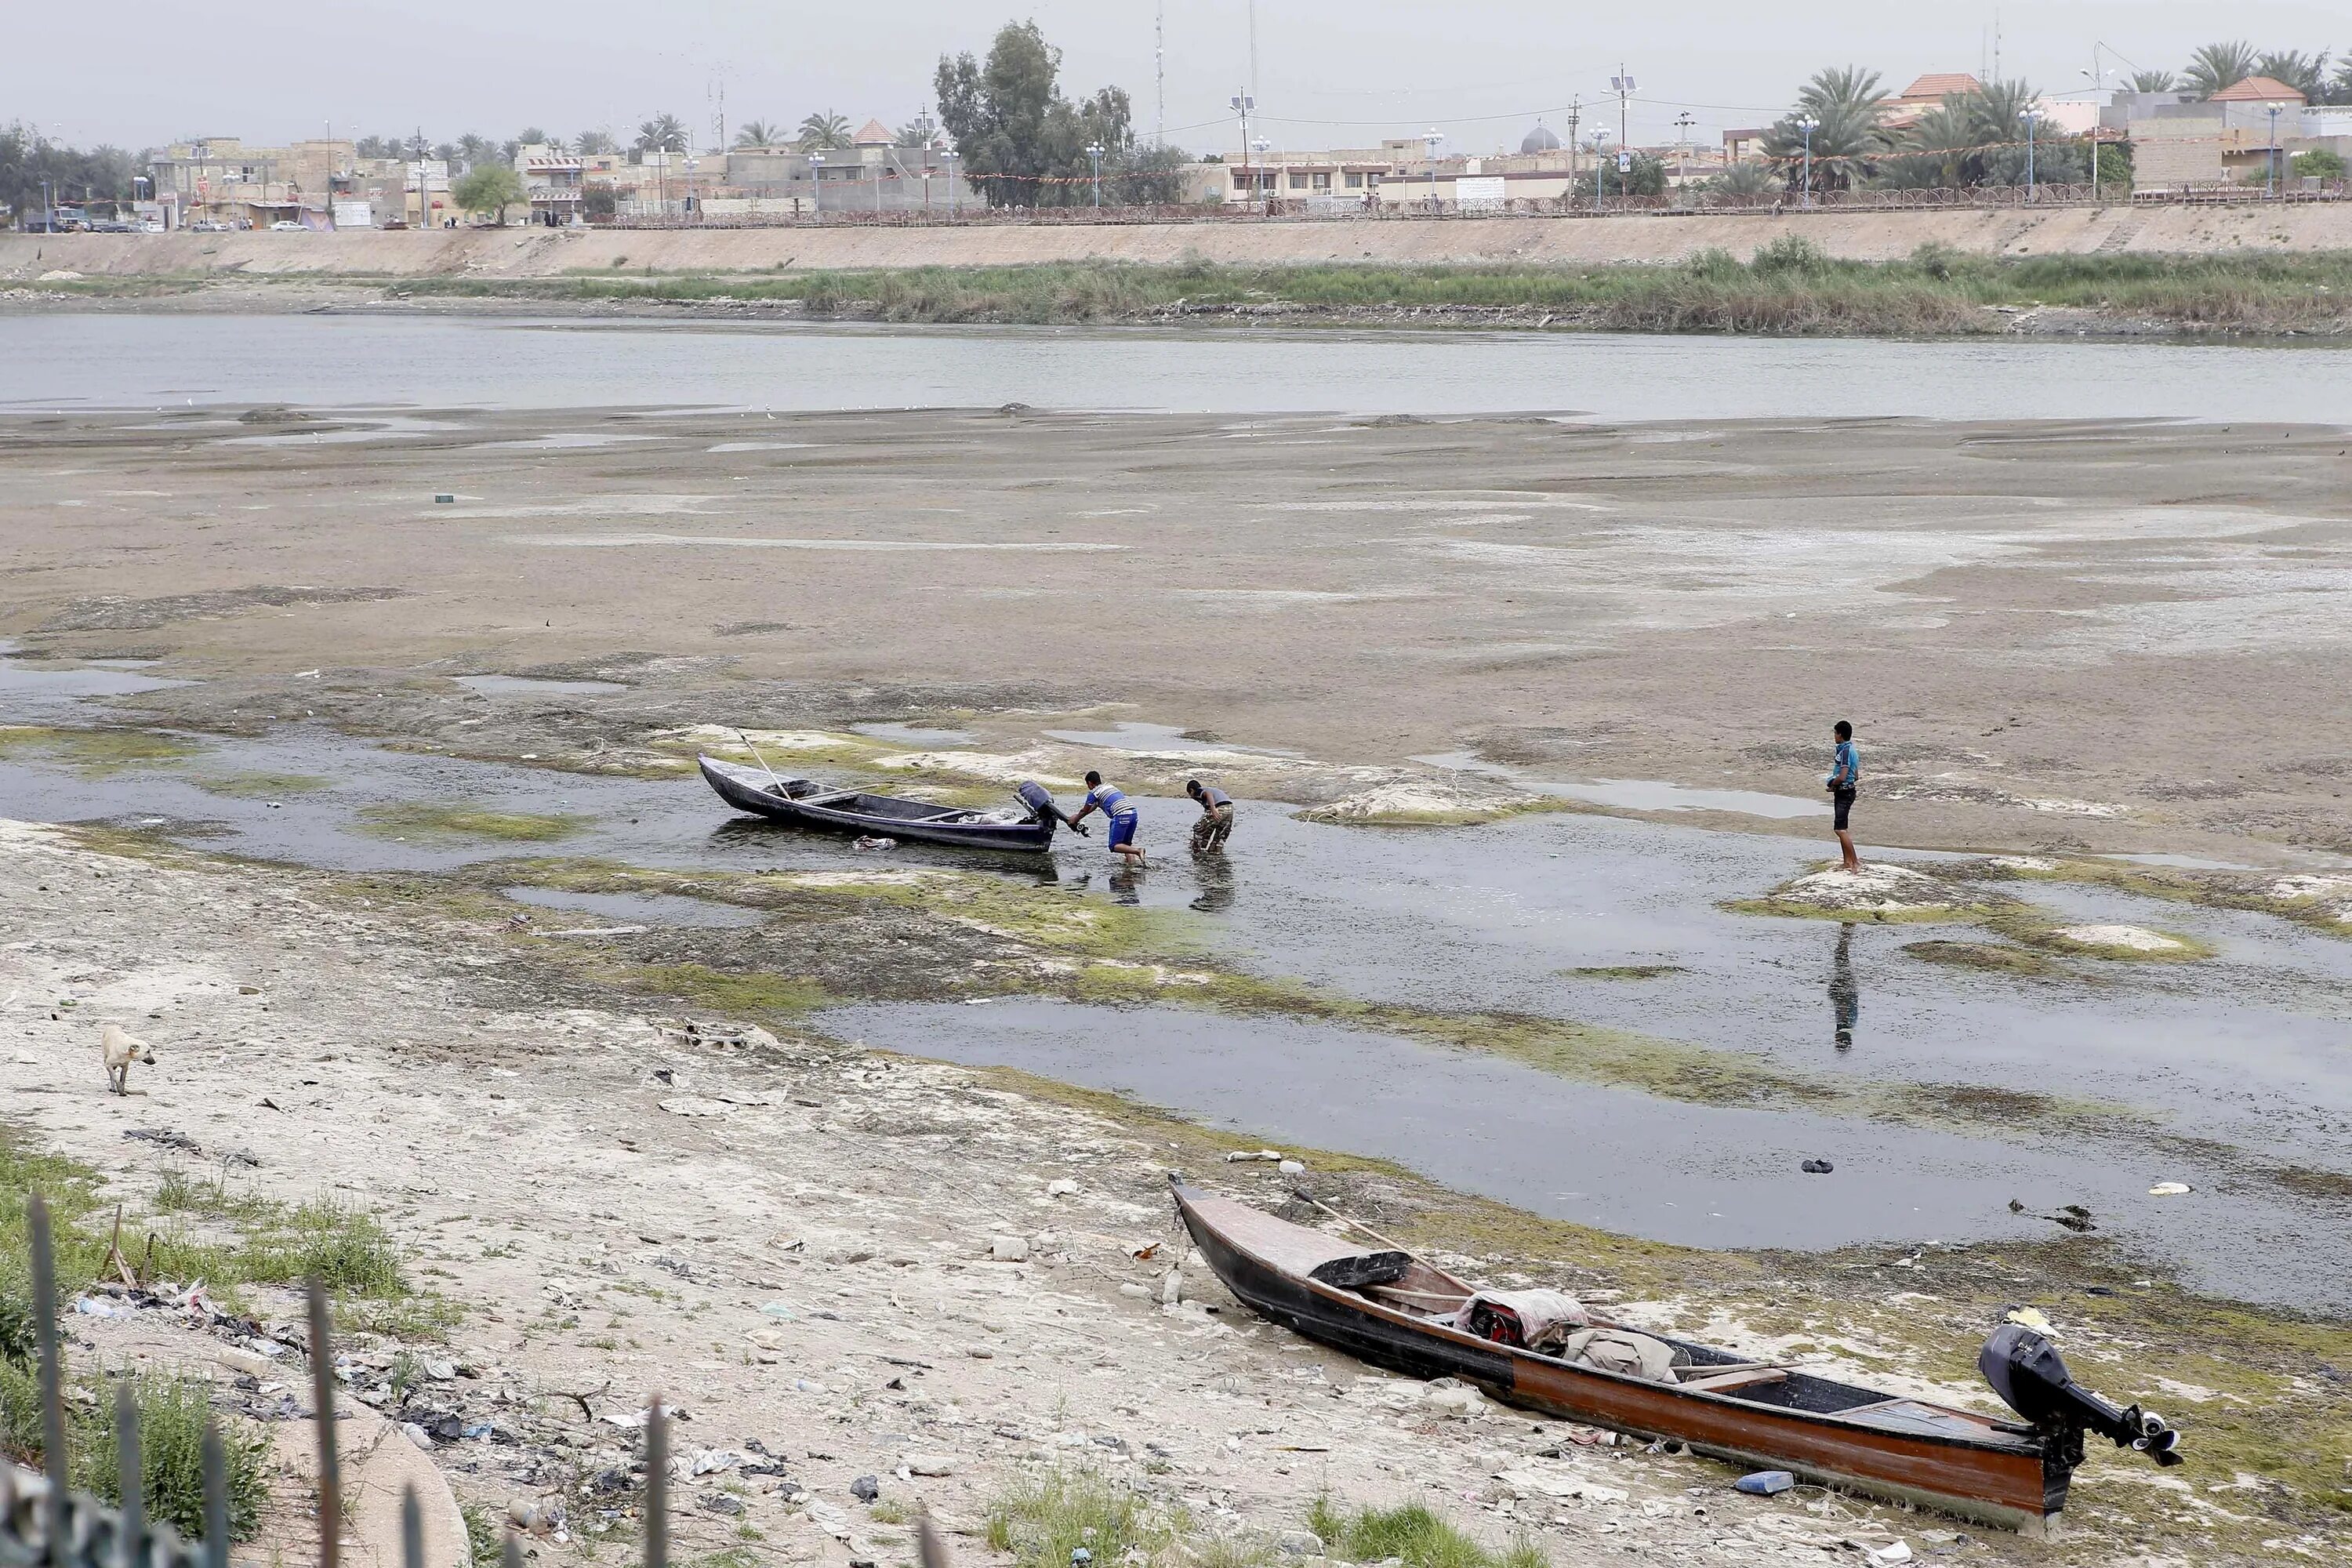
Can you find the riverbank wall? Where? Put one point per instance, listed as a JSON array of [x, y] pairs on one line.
[[1633, 237]]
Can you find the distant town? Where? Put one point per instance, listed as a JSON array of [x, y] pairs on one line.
[[2236, 123]]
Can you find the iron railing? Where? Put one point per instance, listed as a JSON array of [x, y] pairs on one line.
[[44, 1524]]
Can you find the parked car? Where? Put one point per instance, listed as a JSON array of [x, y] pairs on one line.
[[112, 225], [153, 225], [207, 226], [286, 225]]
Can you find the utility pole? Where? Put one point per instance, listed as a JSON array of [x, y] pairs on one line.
[[1623, 86], [1575, 113], [1159, 74], [1683, 123], [1242, 104]]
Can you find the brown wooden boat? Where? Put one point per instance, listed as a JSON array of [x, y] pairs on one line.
[[1396, 1310]]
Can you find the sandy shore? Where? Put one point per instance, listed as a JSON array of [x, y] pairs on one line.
[[2115, 638]]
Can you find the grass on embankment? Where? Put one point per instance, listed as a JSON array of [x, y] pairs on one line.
[[1790, 286]]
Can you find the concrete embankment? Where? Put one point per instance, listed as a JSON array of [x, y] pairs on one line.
[[1562, 241]]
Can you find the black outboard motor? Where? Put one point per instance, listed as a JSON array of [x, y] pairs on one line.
[[2024, 1369], [1040, 802]]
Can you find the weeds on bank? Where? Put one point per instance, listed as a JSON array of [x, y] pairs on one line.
[[1039, 1521], [173, 1409], [1789, 286], [457, 821], [1409, 1532]]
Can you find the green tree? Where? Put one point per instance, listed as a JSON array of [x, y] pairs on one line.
[[27, 159], [491, 187], [2155, 81], [824, 132], [2339, 86], [1646, 178], [590, 143], [758, 134], [2308, 74], [2216, 66], [2115, 168], [474, 149], [662, 133], [2320, 161], [598, 202], [1024, 143], [1847, 137], [532, 133], [1746, 180]]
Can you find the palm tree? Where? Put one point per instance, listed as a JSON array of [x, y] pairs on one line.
[[758, 134], [2339, 87], [822, 132], [2216, 66], [475, 149], [532, 133], [2308, 74], [662, 133], [1743, 179], [1844, 103], [2155, 81], [1935, 153], [593, 141]]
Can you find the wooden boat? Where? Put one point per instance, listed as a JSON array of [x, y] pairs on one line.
[[2010, 1473], [1028, 827]]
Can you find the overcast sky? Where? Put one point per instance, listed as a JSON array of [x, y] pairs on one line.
[[1330, 72]]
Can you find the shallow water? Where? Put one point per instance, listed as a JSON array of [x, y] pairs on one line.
[[1636, 795], [1696, 1176], [2248, 1049], [131, 361], [645, 909], [1155, 739]]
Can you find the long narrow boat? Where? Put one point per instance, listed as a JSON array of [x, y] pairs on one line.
[[1027, 828], [1399, 1313]]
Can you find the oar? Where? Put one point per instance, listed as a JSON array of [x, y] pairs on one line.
[[763, 762]]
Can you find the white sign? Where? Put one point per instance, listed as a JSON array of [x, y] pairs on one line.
[[1486, 188], [355, 214]]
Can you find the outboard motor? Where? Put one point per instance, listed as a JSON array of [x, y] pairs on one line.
[[1040, 802], [2024, 1369]]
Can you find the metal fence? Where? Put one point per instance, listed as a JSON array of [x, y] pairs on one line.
[[44, 1524]]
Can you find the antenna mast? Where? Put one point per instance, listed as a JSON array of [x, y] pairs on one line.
[[1159, 74]]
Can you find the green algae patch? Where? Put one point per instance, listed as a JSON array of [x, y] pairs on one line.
[[2032, 929], [260, 786], [749, 994], [96, 752], [1623, 971], [458, 821], [1991, 957]]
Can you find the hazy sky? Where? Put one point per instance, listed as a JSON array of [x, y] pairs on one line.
[[1330, 72]]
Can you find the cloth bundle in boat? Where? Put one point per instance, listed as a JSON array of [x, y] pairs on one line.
[[1539, 1320], [1644, 1356]]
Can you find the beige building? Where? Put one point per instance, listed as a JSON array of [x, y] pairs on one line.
[[219, 179]]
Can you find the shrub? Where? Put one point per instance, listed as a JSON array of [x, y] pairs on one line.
[[1410, 1531], [173, 1410], [1791, 253]]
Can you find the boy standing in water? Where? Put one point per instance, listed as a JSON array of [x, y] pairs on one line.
[[1115, 806], [1845, 777], [1216, 822]]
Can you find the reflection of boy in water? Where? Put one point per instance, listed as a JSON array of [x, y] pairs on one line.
[[1845, 991]]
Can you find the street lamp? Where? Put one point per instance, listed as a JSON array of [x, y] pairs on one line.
[[1265, 202], [1094, 154], [955, 207], [691, 165], [816, 184], [2031, 116], [1599, 163], [1809, 125], [2270, 181], [1430, 139], [1243, 105]]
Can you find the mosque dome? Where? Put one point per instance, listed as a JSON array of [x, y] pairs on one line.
[[1539, 140]]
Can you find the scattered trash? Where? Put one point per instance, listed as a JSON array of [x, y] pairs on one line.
[[1239, 1156], [723, 1502], [1291, 1168], [1061, 1187], [874, 842], [2168, 1189], [2030, 1316], [1765, 1483], [444, 499], [2074, 1216], [1894, 1553], [1817, 1167]]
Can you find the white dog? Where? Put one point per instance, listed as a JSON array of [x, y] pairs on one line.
[[121, 1050]]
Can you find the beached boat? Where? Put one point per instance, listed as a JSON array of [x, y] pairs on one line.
[[1398, 1311], [1027, 826]]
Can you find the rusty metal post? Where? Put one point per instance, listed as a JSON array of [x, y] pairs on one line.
[[131, 1539], [53, 1398], [412, 1529], [656, 1485], [322, 1403], [215, 1499]]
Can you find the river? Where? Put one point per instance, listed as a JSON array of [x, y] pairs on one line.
[[116, 359]]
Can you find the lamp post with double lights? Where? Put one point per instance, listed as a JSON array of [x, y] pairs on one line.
[[816, 184], [1430, 140], [2271, 179], [1093, 155], [1809, 125], [1599, 163]]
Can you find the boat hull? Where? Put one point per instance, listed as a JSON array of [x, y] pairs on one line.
[[750, 789], [2005, 1482]]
